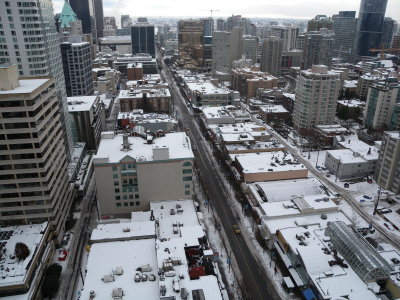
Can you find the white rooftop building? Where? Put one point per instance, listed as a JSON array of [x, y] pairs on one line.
[[152, 267], [132, 171]]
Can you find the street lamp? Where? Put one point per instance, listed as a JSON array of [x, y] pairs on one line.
[[377, 201]]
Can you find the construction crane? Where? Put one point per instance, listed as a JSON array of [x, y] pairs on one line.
[[382, 51], [212, 10]]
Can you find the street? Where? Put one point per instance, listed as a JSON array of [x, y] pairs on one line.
[[256, 284]]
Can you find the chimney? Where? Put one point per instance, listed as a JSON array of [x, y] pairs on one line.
[[8, 77]]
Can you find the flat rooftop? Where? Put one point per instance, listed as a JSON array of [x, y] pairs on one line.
[[26, 86], [110, 148], [265, 162], [139, 116], [333, 282], [150, 93], [81, 103], [260, 146], [363, 149], [206, 88], [346, 156], [123, 231], [283, 190], [273, 109], [130, 255], [12, 271]]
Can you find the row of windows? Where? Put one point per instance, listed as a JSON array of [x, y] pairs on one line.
[[128, 204], [126, 197]]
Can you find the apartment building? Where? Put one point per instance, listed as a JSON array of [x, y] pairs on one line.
[[317, 91], [150, 100], [248, 80], [34, 183], [387, 173], [132, 171]]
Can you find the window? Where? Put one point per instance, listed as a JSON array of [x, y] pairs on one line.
[[187, 186], [131, 204], [115, 176], [130, 196], [187, 192], [187, 178], [116, 190], [118, 197], [137, 203], [125, 197], [118, 204], [187, 164], [115, 168], [187, 171], [125, 203], [136, 196], [116, 183]]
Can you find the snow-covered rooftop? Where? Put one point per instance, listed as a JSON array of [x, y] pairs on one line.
[[177, 145], [151, 93], [129, 255], [26, 86], [12, 271], [346, 156], [283, 190], [259, 146], [332, 282], [363, 149], [139, 116], [264, 162], [206, 88], [81, 103], [123, 231], [273, 109], [351, 103]]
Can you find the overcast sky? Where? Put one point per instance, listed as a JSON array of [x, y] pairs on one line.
[[303, 9]]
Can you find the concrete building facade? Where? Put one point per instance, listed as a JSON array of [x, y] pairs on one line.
[[288, 34], [226, 48], [88, 120], [248, 80], [34, 168], [130, 176], [35, 52], [317, 48], [387, 173], [317, 91], [382, 110], [150, 100], [271, 55]]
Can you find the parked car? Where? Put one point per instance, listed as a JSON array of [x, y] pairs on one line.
[[236, 229]]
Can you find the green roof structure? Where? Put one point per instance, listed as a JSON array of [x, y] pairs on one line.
[[67, 15]]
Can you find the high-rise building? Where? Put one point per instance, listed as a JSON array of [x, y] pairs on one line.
[[34, 182], [370, 25], [387, 172], [317, 48], [85, 11], [142, 37], [99, 15], [271, 55], [221, 24], [208, 26], [77, 66], [319, 22], [345, 29], [227, 47], [317, 91], [68, 22], [382, 110], [250, 47], [126, 21], [288, 34], [233, 21], [35, 52], [190, 41], [389, 28], [110, 26], [396, 41]]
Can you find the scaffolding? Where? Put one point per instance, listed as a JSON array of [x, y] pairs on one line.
[[362, 257]]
